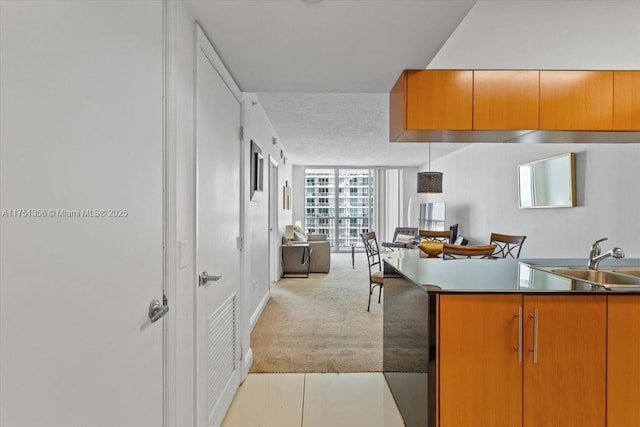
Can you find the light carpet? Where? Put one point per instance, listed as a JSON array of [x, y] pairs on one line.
[[321, 323]]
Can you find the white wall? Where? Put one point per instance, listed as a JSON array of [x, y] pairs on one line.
[[598, 35], [480, 190], [259, 129]]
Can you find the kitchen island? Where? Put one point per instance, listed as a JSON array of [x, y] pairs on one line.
[[502, 343]]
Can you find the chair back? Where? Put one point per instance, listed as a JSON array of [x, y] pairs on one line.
[[436, 236], [406, 231], [372, 250], [467, 251], [507, 246], [454, 233], [376, 278]]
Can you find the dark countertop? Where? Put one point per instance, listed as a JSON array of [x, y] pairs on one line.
[[496, 276]]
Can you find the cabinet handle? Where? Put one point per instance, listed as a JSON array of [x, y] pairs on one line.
[[534, 350], [519, 347]]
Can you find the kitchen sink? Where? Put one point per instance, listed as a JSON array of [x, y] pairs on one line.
[[597, 276], [628, 271], [621, 279]]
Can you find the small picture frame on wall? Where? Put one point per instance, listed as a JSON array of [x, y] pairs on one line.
[[286, 196], [257, 172]]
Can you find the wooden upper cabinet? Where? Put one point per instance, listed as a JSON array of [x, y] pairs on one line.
[[626, 100], [623, 364], [398, 108], [437, 99], [504, 105], [505, 99], [576, 100]]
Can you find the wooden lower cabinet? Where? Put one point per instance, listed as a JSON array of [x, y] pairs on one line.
[[623, 361], [566, 384], [481, 380], [480, 377]]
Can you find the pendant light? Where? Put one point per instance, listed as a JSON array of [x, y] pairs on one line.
[[429, 182]]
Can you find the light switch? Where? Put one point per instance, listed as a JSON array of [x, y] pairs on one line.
[[183, 253]]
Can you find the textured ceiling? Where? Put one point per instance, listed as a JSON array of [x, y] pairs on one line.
[[323, 70], [345, 129]]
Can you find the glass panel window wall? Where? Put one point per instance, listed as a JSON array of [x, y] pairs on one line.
[[351, 210]]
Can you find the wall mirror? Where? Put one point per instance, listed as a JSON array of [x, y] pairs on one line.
[[548, 183]]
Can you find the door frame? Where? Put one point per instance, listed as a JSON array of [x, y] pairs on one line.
[[170, 200], [274, 245], [170, 226], [202, 43]]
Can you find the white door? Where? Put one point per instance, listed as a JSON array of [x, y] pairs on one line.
[[81, 155], [274, 242], [218, 120]]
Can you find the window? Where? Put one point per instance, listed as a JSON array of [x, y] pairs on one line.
[[342, 217]]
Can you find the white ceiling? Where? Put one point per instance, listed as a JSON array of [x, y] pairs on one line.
[[322, 70]]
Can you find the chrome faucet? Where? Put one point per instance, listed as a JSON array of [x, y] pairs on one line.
[[595, 255]]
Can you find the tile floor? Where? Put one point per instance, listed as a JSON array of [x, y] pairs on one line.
[[313, 400]]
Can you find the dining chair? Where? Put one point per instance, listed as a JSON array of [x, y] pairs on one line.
[[507, 246], [375, 265], [467, 251], [435, 236]]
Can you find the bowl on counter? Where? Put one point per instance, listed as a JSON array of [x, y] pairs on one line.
[[431, 249]]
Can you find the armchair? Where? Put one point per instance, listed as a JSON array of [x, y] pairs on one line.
[[320, 258], [320, 253]]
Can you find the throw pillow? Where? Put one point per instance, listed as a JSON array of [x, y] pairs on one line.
[[404, 238], [299, 235]]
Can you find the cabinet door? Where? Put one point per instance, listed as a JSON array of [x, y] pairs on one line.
[[505, 99], [439, 100], [480, 377], [626, 100], [565, 361], [576, 100], [623, 364]]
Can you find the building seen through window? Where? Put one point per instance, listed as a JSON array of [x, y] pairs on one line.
[[338, 203]]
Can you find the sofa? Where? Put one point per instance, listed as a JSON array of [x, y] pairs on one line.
[[320, 259]]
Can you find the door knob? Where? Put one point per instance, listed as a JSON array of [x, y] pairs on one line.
[[205, 278], [157, 310]]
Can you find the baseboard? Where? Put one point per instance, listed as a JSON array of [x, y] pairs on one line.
[[256, 314], [248, 361]]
